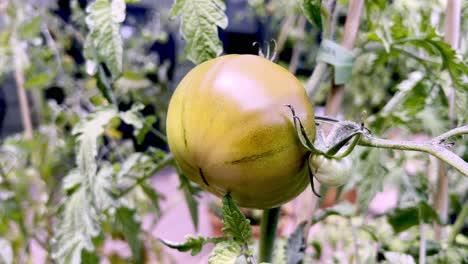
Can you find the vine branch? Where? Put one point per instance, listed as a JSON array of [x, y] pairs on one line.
[[436, 147]]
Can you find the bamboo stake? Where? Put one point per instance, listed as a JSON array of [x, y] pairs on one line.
[[335, 98], [22, 96], [452, 32]]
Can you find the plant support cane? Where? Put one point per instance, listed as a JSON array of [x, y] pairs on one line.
[[19, 79], [268, 233], [452, 32], [335, 98]]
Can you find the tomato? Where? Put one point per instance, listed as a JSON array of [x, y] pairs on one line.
[[230, 131], [330, 172]]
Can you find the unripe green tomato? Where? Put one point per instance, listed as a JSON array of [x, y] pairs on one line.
[[330, 172], [230, 131]]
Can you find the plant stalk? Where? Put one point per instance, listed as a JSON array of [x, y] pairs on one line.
[[422, 242], [458, 223], [268, 233]]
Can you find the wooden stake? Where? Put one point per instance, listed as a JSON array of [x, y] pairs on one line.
[[335, 98], [22, 96], [452, 32]]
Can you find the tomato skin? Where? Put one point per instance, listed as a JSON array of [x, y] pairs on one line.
[[230, 131], [330, 172]]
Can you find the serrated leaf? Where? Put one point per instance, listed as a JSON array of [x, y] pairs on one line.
[[131, 229], [79, 221], [225, 253], [397, 257], [199, 22], [6, 252], [102, 187], [78, 225], [312, 10], [103, 20], [295, 249], [193, 244], [234, 221]]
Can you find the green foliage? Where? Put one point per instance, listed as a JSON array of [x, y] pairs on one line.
[[225, 252], [403, 218], [395, 257], [199, 22], [312, 10], [104, 43], [193, 244], [190, 193], [131, 230], [235, 222]]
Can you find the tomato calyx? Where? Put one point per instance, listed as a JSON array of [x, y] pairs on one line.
[[326, 152], [269, 49]]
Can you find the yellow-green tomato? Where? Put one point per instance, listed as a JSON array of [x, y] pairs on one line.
[[230, 131], [330, 172]]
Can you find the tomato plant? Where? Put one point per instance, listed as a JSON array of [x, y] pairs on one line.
[[131, 114]]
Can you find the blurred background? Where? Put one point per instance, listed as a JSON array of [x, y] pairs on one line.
[[46, 55]]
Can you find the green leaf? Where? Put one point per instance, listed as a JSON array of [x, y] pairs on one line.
[[78, 225], [400, 258], [131, 229], [372, 173], [190, 192], [199, 22], [295, 249], [103, 20], [235, 222], [31, 28], [152, 195], [40, 80], [312, 10], [225, 253], [427, 213], [132, 117], [193, 244], [279, 253], [403, 218], [6, 251], [89, 257]]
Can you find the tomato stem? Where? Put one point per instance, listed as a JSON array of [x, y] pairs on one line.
[[268, 233]]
